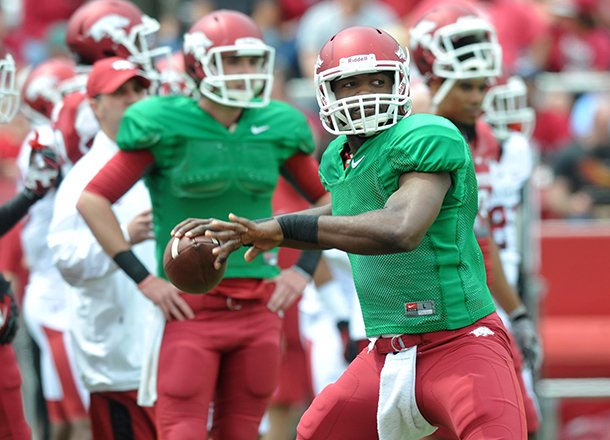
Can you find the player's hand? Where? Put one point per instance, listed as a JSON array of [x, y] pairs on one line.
[[44, 169], [140, 227], [259, 235], [527, 338], [9, 315], [289, 286], [167, 297]]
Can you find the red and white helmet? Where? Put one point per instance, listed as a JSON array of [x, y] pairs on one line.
[[354, 51], [507, 110], [455, 43], [107, 28], [9, 94], [172, 76], [227, 32], [46, 85]]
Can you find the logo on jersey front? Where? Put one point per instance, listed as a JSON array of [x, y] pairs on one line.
[[259, 129], [420, 308], [355, 163]]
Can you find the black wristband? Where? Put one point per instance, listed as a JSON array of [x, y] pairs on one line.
[[308, 261], [299, 227], [131, 265]]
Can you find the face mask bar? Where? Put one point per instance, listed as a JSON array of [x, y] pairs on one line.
[[217, 86], [9, 95], [466, 49], [507, 110], [345, 116]]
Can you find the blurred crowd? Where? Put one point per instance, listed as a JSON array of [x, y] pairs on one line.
[[561, 48]]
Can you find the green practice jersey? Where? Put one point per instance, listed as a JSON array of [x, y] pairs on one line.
[[203, 170], [441, 284]]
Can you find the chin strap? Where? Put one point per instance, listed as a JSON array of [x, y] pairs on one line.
[[441, 93]]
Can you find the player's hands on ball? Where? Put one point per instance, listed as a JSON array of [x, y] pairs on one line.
[[234, 234]]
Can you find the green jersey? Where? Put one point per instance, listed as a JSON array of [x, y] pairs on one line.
[[204, 170], [441, 284]]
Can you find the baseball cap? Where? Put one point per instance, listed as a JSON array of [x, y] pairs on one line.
[[108, 74]]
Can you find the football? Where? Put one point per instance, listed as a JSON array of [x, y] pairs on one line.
[[189, 264]]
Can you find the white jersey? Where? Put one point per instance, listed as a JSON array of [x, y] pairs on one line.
[[509, 176], [45, 300], [108, 314]]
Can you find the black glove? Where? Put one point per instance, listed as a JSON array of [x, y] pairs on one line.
[[527, 338], [350, 348], [9, 315], [44, 169]]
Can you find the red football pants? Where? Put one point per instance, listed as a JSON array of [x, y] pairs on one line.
[[12, 418], [464, 382], [117, 415], [229, 355]]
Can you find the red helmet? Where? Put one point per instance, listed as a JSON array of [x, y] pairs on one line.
[[45, 86], [507, 110], [106, 28], [455, 42], [228, 32], [172, 76], [354, 51], [9, 95]]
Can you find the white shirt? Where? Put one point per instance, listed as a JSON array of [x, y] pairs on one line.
[[108, 314], [509, 176]]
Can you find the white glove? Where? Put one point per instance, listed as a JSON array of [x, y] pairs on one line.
[[527, 338]]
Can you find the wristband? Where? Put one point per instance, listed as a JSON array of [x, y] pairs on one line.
[[131, 265], [298, 227], [519, 313], [308, 262]]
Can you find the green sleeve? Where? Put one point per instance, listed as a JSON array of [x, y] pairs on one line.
[[297, 136]]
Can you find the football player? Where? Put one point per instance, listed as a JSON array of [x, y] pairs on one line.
[[43, 172], [458, 54], [206, 156], [404, 202]]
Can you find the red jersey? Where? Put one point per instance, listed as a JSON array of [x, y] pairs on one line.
[[485, 149]]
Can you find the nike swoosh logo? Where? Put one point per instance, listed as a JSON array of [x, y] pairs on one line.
[[258, 130], [355, 163]]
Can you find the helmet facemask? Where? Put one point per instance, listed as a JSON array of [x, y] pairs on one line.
[[507, 110], [220, 86], [381, 110], [9, 95], [466, 49]]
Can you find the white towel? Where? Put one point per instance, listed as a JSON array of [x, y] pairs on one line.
[[398, 417], [147, 391]]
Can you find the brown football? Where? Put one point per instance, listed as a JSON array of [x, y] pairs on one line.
[[189, 264]]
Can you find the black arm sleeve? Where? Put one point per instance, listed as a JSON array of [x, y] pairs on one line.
[[14, 210], [308, 261]]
